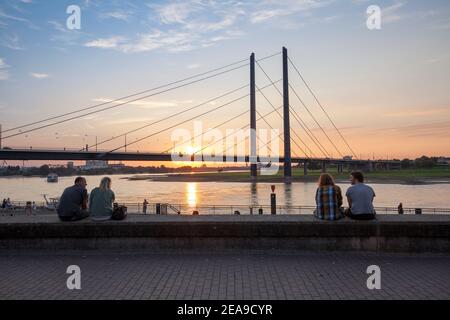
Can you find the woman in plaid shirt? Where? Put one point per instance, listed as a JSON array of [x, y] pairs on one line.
[[328, 199]]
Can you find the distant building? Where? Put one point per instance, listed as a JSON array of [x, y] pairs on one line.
[[116, 166], [95, 164], [70, 165], [443, 160], [347, 157]]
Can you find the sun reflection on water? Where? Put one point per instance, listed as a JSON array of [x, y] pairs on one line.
[[191, 194]]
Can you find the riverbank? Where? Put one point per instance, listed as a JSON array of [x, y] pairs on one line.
[[403, 176]]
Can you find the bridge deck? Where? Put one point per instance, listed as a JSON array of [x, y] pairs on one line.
[[36, 154]]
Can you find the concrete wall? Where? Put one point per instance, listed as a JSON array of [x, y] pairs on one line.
[[232, 234]]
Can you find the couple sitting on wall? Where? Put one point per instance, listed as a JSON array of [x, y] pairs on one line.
[[329, 199], [73, 204]]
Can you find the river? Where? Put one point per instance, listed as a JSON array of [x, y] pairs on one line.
[[193, 194]]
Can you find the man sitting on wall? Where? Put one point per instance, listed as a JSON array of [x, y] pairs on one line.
[[73, 202], [360, 199]]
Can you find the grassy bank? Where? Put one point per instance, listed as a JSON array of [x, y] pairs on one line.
[[404, 176]]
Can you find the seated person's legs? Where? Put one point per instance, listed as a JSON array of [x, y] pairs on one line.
[[361, 216], [82, 214], [66, 218], [78, 215], [347, 212]]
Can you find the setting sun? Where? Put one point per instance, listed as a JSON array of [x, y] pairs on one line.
[[192, 149]]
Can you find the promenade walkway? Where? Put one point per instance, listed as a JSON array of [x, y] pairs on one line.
[[139, 275]]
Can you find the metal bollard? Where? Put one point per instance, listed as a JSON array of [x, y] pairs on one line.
[[273, 201]]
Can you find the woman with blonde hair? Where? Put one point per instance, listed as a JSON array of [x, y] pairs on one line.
[[328, 199], [101, 201]]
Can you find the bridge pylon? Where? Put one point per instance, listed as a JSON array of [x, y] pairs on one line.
[[286, 121], [253, 155]]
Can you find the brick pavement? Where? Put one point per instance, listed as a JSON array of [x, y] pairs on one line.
[[328, 275]]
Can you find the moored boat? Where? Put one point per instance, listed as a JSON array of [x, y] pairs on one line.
[[52, 177]]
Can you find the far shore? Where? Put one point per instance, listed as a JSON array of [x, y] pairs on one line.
[[425, 176], [408, 177]]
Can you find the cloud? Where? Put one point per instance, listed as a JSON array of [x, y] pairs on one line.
[[263, 15], [270, 9], [172, 41], [39, 75], [58, 26], [390, 14], [11, 42], [176, 12], [417, 113], [5, 18], [190, 25], [106, 43], [4, 15], [436, 129], [130, 120], [185, 26], [193, 66], [141, 103], [118, 15], [4, 74], [68, 37]]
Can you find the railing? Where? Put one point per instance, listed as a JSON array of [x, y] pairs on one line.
[[186, 209], [266, 209]]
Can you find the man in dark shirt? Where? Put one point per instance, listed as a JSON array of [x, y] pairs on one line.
[[73, 202]]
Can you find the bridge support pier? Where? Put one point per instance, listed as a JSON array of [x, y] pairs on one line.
[[305, 168], [324, 167]]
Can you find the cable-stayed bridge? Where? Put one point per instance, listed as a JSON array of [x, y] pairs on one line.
[[310, 144]]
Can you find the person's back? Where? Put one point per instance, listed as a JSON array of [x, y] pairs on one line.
[[144, 206], [101, 201], [328, 199], [360, 197], [72, 203]]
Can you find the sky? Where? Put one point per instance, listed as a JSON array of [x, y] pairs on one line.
[[387, 90]]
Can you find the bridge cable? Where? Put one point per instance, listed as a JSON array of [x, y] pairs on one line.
[[305, 127], [323, 109], [182, 122], [273, 129], [242, 128], [123, 103], [310, 134], [136, 94], [201, 134], [273, 107], [168, 117], [315, 140], [315, 120]]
